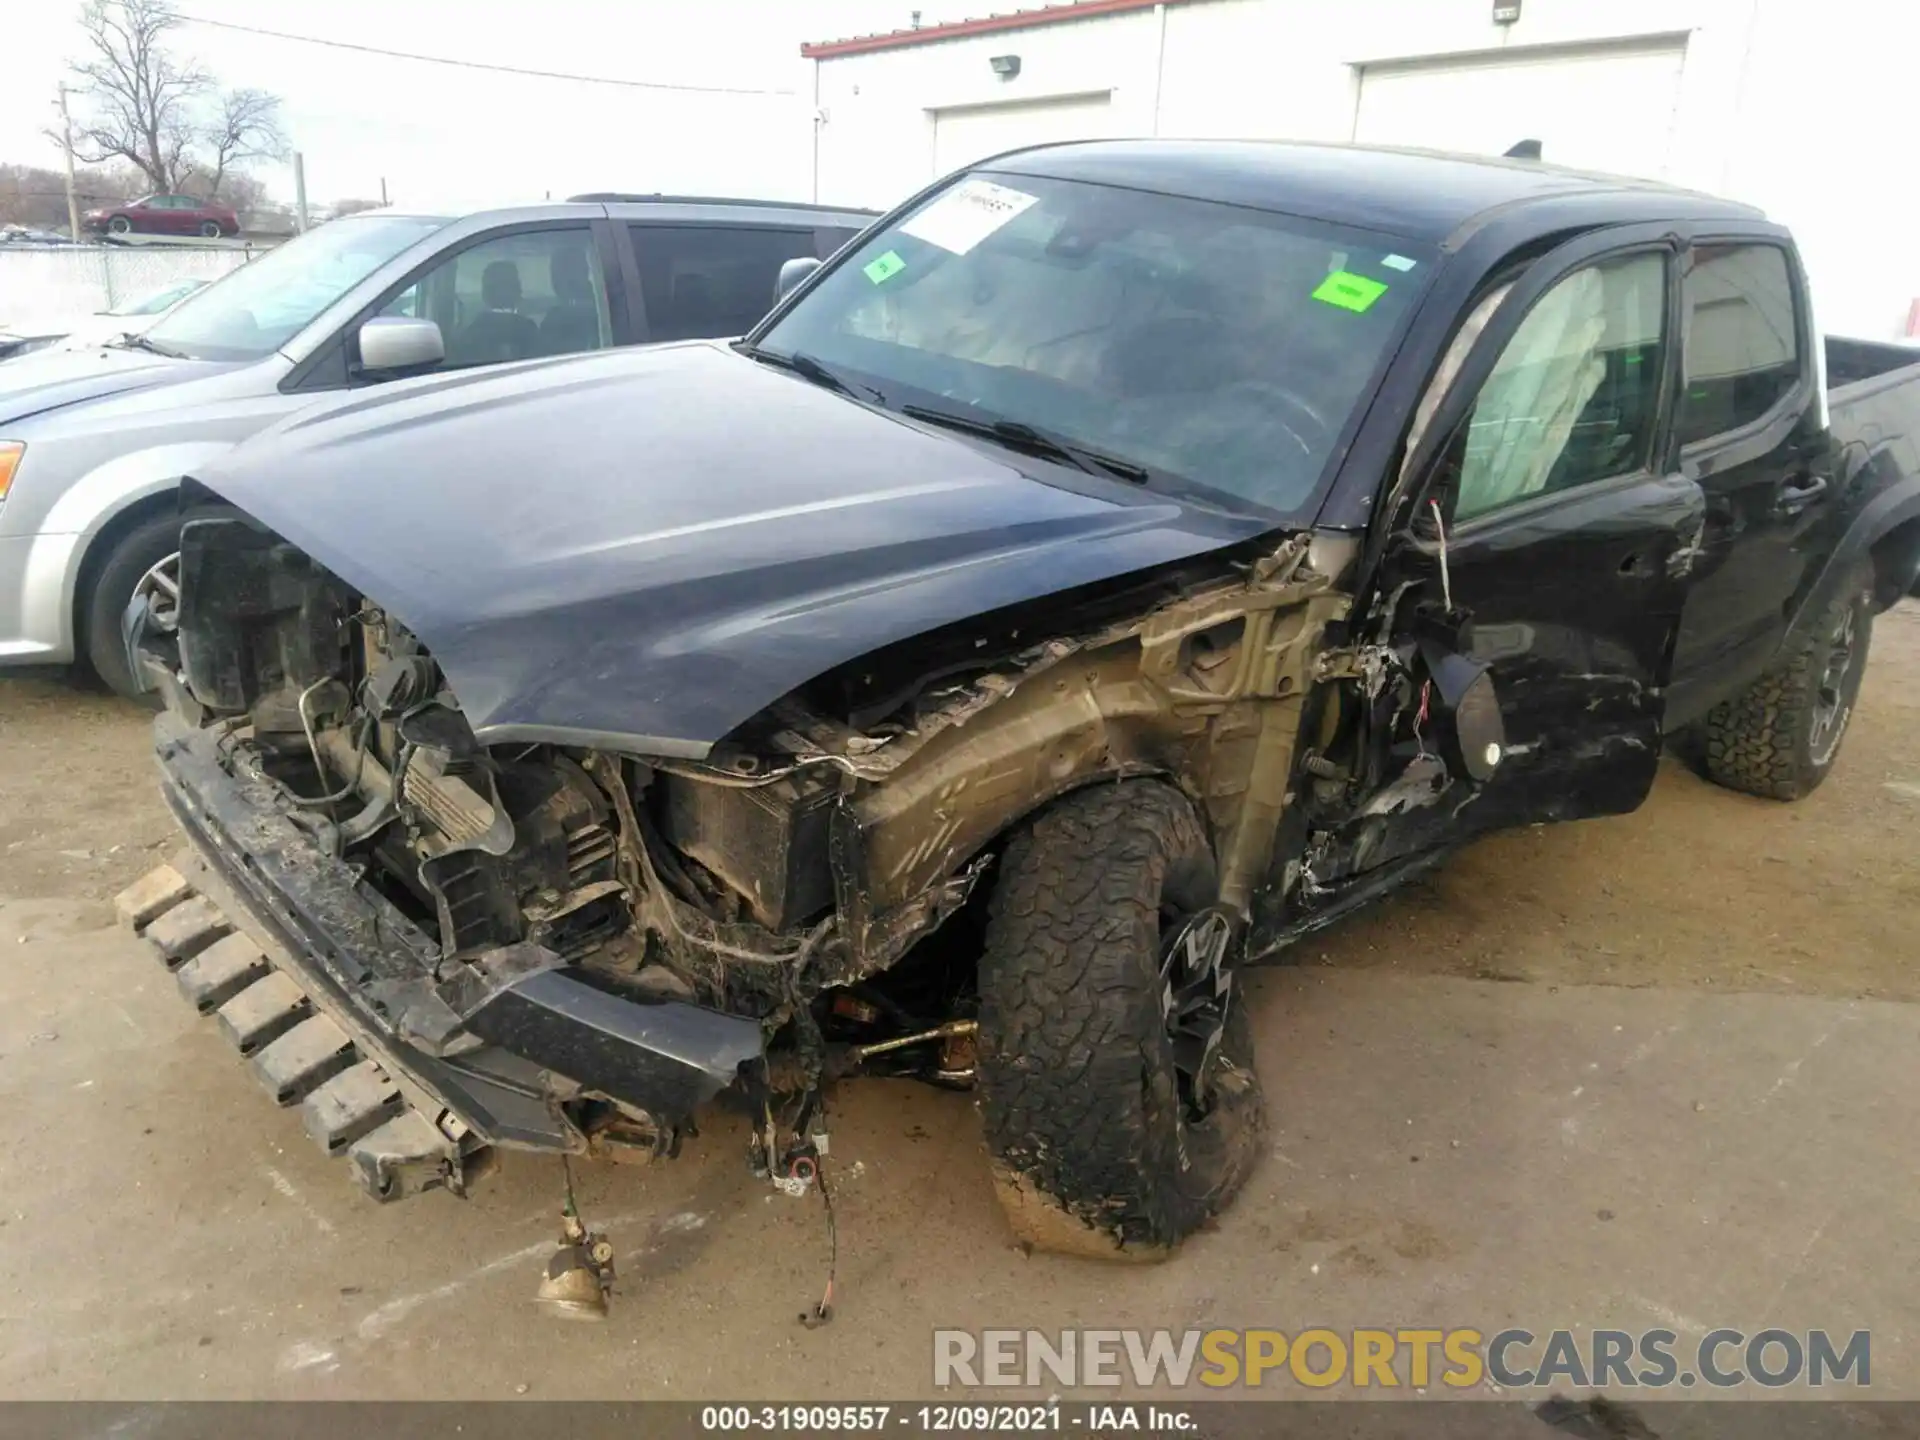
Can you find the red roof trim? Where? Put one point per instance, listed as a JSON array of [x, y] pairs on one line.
[[987, 25]]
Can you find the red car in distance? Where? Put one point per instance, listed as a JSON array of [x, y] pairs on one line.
[[165, 215]]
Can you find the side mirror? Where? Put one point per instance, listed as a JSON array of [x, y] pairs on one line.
[[395, 343], [1473, 734], [791, 274]]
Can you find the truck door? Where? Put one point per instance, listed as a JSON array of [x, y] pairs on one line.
[[1750, 428], [1551, 543]]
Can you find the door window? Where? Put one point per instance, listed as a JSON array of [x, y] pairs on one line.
[[707, 281], [831, 237], [538, 292], [1574, 396], [1741, 352]]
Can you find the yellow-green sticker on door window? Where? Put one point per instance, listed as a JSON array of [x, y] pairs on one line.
[[886, 267], [1349, 291]]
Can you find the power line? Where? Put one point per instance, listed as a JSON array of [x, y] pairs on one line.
[[482, 65]]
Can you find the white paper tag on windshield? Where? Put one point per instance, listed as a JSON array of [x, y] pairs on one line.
[[967, 214]]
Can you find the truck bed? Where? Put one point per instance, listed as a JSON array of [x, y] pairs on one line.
[[1874, 399], [1852, 363]]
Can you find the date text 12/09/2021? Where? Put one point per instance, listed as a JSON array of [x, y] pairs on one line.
[[944, 1419]]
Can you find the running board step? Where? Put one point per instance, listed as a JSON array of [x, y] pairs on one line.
[[352, 1104], [158, 890], [220, 972], [263, 1012], [184, 930], [303, 1059], [348, 1102]]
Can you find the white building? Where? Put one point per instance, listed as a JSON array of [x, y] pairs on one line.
[[1799, 106]]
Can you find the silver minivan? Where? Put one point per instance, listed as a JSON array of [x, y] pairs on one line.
[[93, 442]]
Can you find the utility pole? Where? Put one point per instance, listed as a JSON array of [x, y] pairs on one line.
[[66, 145], [299, 192], [383, 189]]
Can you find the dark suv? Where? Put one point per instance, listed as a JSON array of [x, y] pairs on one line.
[[164, 215]]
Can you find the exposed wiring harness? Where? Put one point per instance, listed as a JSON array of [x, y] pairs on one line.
[[822, 1311], [726, 778], [313, 748], [646, 879]]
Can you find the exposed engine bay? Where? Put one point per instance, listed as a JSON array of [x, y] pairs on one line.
[[813, 872]]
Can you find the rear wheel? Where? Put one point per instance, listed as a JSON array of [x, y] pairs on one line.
[[1780, 738], [1116, 1070], [145, 550]]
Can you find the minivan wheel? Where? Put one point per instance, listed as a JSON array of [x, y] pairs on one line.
[[1115, 1068], [125, 566], [120, 225], [1780, 738]]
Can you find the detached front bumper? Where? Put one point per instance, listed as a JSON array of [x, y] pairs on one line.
[[412, 1067]]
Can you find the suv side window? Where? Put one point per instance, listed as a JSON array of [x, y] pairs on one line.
[[831, 237], [708, 281], [1574, 397], [536, 292], [1741, 351]]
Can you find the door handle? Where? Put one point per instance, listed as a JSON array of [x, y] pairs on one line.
[[1800, 492], [1638, 566]]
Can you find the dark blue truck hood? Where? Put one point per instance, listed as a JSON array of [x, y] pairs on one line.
[[645, 548]]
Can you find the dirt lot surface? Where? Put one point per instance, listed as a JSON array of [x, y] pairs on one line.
[[1657, 1070]]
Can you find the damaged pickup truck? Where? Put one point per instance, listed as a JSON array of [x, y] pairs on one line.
[[1125, 559]]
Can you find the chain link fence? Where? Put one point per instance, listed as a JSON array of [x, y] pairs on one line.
[[54, 285]]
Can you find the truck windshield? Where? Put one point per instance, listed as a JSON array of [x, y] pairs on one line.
[[1215, 348], [258, 308]]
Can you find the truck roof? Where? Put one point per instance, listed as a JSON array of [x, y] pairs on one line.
[[622, 197], [1420, 194], [621, 205]]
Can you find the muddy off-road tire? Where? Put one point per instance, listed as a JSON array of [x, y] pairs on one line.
[[1099, 1143], [1780, 738]]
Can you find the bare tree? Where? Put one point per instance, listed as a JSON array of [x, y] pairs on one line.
[[246, 127], [143, 100], [162, 114], [241, 192], [32, 196]]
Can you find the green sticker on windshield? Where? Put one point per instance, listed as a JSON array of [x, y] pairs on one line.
[[888, 266], [1349, 291]]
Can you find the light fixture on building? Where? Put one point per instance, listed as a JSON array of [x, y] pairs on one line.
[[1505, 12], [1005, 66]]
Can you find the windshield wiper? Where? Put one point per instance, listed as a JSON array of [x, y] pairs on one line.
[[125, 341], [807, 368], [1018, 435]]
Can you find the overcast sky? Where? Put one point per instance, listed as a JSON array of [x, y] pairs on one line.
[[437, 132]]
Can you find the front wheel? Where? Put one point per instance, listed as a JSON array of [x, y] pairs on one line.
[[140, 556], [1115, 1069], [1779, 739], [120, 225], [210, 229]]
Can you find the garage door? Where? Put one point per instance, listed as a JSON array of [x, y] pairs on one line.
[[1598, 109], [969, 133]]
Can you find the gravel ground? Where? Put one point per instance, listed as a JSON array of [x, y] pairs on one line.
[[1658, 1069]]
